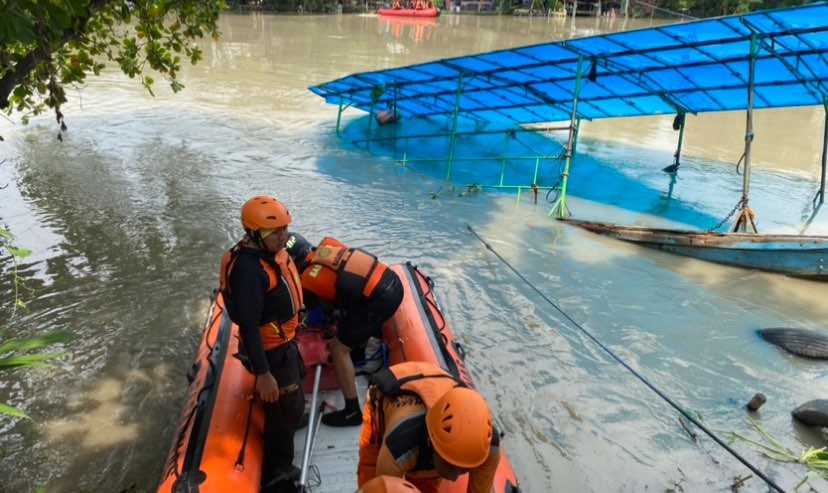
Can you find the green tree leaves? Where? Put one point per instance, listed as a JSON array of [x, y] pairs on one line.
[[20, 353], [17, 353], [46, 45]]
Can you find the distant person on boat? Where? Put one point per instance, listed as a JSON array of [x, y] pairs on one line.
[[385, 117], [388, 484], [421, 424], [260, 285], [363, 293], [419, 5], [397, 5]]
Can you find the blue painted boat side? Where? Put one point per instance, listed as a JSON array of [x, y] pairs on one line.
[[774, 258], [801, 256]]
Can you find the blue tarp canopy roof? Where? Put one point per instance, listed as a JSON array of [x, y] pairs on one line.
[[692, 67]]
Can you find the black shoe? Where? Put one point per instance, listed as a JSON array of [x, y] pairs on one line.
[[287, 474], [358, 354], [286, 486], [343, 418]]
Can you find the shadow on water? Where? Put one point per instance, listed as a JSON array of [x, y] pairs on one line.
[[129, 258]]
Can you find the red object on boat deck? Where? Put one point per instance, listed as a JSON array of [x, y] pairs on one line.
[[315, 351]]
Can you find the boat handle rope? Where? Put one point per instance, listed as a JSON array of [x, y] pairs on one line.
[[623, 363], [208, 326], [243, 450]]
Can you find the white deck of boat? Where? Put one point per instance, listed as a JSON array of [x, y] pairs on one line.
[[336, 452]]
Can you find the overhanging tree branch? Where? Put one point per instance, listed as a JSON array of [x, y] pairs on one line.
[[43, 52]]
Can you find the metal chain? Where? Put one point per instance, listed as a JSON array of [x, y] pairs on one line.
[[727, 218]]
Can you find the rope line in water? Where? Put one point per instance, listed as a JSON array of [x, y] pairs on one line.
[[631, 370]]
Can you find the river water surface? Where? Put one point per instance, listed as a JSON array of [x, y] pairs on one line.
[[128, 218]]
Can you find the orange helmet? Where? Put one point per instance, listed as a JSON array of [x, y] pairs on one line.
[[263, 212], [388, 484], [460, 427]]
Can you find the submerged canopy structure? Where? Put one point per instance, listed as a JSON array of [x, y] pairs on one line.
[[766, 59], [691, 67]]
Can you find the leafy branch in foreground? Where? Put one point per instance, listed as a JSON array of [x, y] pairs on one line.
[[816, 460], [15, 254], [46, 45], [16, 353], [19, 353]]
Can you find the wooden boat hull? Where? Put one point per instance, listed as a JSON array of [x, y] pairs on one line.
[[800, 256], [435, 12], [217, 446]]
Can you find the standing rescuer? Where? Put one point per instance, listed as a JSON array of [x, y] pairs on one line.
[[260, 285]]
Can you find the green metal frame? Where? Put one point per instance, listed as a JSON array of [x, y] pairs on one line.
[[560, 207], [451, 159], [744, 220]]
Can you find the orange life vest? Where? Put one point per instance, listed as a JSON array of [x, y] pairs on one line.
[[427, 381], [281, 272], [334, 267]]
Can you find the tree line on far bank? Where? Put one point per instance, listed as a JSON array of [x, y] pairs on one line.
[[636, 8], [714, 8]]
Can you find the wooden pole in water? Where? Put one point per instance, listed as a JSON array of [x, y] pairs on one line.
[[371, 116], [339, 117], [744, 221], [560, 204], [577, 133], [673, 168], [454, 125], [821, 192], [677, 162]]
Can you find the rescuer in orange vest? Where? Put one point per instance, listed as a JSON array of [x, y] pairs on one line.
[[259, 283], [364, 293]]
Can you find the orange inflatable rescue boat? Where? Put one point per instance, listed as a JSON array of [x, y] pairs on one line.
[[217, 445]]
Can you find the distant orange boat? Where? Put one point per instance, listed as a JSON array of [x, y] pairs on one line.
[[432, 12], [396, 20]]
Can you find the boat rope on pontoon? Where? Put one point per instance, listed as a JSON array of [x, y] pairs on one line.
[[629, 368]]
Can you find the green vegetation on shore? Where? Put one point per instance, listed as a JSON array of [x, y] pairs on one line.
[[635, 8]]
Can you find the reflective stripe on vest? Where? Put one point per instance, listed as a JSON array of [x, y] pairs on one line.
[[357, 270], [427, 381], [274, 332]]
